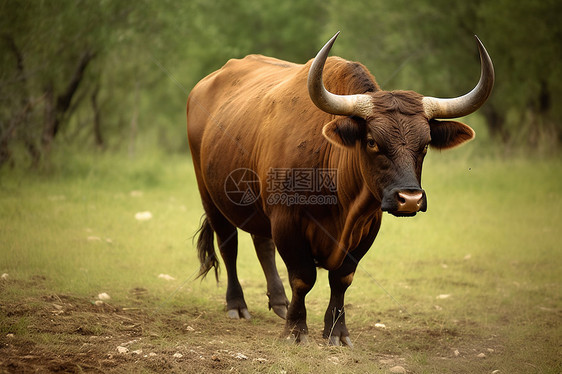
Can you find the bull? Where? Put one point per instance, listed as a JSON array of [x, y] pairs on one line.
[[258, 122]]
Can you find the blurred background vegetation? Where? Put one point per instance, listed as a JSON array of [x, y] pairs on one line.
[[114, 76]]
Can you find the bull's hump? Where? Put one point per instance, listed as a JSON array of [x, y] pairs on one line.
[[257, 60]]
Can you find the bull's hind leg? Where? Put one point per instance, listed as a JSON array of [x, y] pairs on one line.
[[265, 250], [227, 238]]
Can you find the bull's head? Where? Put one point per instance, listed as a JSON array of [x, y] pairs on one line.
[[393, 129]]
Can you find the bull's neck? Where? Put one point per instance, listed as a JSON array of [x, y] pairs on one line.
[[351, 185], [359, 212]]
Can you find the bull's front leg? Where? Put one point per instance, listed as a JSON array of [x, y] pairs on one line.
[[335, 329], [301, 267], [302, 279]]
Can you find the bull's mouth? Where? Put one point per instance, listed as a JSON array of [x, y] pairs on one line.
[[403, 214]]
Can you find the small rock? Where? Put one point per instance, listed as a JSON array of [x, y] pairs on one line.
[[495, 372], [10, 336], [98, 303], [481, 355], [5, 276], [143, 216], [260, 360], [151, 354], [490, 350], [334, 360], [104, 296], [380, 325], [137, 352], [122, 349], [443, 296], [241, 356], [456, 353], [397, 369], [189, 328], [437, 307], [166, 277], [130, 342], [215, 358], [177, 355]]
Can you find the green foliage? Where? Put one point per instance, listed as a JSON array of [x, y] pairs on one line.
[[427, 46], [115, 75]]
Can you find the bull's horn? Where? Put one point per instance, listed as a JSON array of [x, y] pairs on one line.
[[346, 105], [466, 104]]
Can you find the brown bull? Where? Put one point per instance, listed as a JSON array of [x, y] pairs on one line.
[[308, 167]]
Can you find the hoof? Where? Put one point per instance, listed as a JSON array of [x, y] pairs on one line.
[[280, 310], [338, 342], [237, 314], [300, 339]]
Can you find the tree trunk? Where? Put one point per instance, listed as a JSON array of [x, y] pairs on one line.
[[97, 120], [18, 120], [49, 118], [54, 112], [496, 123], [134, 119]]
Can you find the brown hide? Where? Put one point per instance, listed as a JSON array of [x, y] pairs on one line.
[[257, 120], [256, 113]]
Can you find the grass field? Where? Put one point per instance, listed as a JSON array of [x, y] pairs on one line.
[[471, 286]]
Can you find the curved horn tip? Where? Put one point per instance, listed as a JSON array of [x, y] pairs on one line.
[[480, 45], [470, 102], [347, 105], [328, 46]]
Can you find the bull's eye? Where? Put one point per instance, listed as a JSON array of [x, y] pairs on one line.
[[372, 144]]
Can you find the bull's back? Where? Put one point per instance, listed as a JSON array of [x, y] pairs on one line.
[[225, 104], [229, 114]]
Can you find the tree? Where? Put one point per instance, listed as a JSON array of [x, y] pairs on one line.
[[428, 46]]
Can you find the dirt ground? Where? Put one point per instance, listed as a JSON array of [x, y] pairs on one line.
[[60, 333]]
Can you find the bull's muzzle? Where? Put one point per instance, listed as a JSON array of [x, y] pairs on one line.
[[405, 202], [409, 202]]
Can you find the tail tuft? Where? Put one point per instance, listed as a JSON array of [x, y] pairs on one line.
[[206, 249]]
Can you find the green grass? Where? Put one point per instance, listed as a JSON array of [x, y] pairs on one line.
[[490, 239]]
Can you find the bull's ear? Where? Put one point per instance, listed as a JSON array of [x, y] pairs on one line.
[[344, 131], [449, 134]]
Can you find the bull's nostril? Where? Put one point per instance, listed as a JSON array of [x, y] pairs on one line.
[[409, 201]]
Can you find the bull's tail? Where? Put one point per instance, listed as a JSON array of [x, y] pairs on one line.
[[206, 249]]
